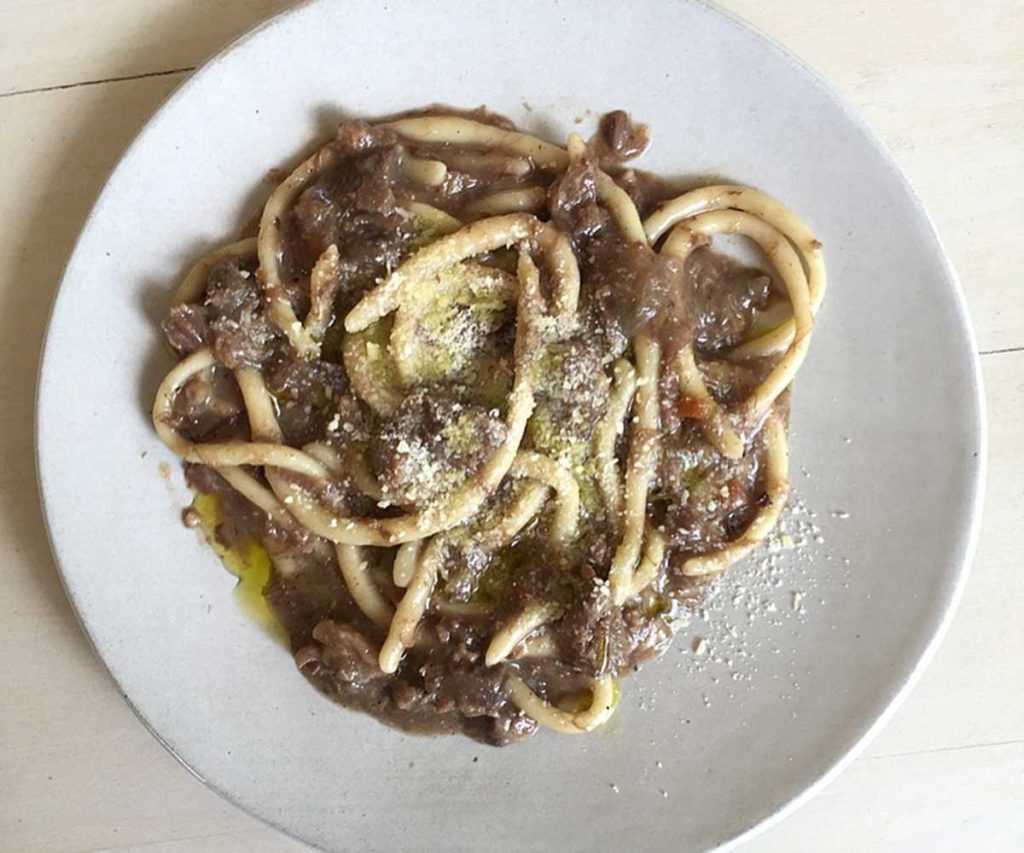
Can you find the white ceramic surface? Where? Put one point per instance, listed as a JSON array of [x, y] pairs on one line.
[[887, 427]]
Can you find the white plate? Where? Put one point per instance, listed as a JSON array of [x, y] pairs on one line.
[[887, 424]]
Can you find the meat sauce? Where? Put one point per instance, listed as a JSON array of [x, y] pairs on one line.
[[361, 204]]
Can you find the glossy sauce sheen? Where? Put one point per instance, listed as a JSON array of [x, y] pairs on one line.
[[700, 498]]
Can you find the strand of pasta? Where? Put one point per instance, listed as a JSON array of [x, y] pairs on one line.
[[259, 406], [420, 585], [270, 251], [724, 196], [353, 466], [546, 470], [525, 508], [610, 194], [462, 609], [476, 238], [538, 645], [716, 427], [689, 233], [423, 171], [263, 426], [640, 465], [776, 486], [402, 631], [563, 320], [326, 456], [617, 200], [608, 429], [487, 162], [362, 474], [520, 200], [650, 564], [602, 706], [355, 572], [259, 495], [406, 558], [461, 131], [324, 282], [518, 628], [440, 221]]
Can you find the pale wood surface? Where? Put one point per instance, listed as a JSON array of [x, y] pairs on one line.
[[941, 81]]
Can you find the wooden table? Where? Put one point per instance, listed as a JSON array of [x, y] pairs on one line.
[[942, 81]]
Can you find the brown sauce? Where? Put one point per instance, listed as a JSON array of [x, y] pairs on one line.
[[360, 203]]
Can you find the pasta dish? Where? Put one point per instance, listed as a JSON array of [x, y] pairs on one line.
[[476, 417]]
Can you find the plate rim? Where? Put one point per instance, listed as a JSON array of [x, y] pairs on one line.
[[975, 485]]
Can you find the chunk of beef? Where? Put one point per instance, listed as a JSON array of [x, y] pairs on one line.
[[344, 652], [619, 139], [572, 393], [352, 206], [509, 726], [572, 202], [729, 382], [186, 328], [307, 393], [209, 407], [473, 691], [635, 287], [646, 190], [726, 296], [356, 135], [434, 441], [465, 564], [708, 498], [239, 520], [241, 333]]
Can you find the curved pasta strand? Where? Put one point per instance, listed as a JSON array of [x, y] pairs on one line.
[[461, 131], [776, 488], [686, 236], [608, 429], [773, 212], [639, 469], [602, 705]]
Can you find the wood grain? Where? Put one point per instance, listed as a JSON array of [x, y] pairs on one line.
[[46, 43], [941, 83]]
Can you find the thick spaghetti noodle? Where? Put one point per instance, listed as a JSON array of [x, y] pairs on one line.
[[494, 409]]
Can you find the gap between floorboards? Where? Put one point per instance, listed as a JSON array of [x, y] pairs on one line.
[[940, 749], [63, 86]]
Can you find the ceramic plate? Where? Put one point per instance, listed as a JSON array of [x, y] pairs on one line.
[[802, 652]]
